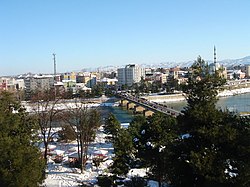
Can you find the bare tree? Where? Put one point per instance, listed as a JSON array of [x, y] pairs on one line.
[[45, 114], [84, 121]]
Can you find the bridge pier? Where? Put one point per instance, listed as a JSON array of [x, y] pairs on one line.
[[124, 102], [130, 105], [138, 109], [147, 113]]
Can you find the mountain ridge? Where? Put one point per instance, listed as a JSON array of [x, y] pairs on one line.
[[227, 63]]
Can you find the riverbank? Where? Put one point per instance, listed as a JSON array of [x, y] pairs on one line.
[[233, 92], [180, 96]]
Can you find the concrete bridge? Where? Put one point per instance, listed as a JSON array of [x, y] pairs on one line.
[[147, 108]]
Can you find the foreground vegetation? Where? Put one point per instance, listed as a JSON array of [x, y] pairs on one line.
[[21, 162], [203, 147]]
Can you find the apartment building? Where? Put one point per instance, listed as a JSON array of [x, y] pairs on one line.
[[38, 83], [11, 84], [132, 73]]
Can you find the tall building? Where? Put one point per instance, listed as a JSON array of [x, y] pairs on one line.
[[38, 83], [132, 73], [247, 70]]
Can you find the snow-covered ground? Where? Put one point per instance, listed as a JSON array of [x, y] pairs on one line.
[[64, 106], [61, 175], [225, 93]]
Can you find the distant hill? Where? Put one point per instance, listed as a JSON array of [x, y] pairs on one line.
[[236, 62], [226, 63]]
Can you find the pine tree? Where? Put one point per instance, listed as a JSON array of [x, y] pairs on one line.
[[112, 126], [123, 152], [204, 153], [21, 163], [152, 138]]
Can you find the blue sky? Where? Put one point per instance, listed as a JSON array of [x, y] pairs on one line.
[[94, 33]]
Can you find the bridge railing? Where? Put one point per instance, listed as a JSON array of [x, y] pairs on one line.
[[150, 104]]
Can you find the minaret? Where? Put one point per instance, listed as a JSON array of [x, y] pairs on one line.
[[214, 55]]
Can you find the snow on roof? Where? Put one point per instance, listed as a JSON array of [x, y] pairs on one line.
[[59, 84], [68, 81], [105, 79], [42, 76]]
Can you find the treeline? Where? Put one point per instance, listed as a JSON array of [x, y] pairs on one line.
[[203, 147]]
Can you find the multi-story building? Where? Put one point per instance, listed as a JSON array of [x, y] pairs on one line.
[[236, 74], [19, 84], [38, 83], [247, 70], [174, 72], [106, 82], [11, 84], [160, 77], [132, 73], [69, 76]]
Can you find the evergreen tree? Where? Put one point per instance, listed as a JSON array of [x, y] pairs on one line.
[[123, 152], [97, 90], [112, 126], [204, 154], [152, 140], [21, 163]]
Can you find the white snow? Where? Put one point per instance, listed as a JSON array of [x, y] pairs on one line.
[[234, 92], [62, 175], [179, 97]]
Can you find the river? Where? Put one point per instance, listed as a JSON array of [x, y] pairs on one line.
[[122, 115], [237, 103]]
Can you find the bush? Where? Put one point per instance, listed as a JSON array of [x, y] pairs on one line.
[[104, 180], [136, 181]]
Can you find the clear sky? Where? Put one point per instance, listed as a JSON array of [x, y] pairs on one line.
[[94, 33]]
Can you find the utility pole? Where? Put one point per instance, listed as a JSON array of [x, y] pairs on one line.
[[54, 59]]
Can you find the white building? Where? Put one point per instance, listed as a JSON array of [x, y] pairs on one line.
[[213, 67], [132, 73], [11, 84], [38, 83], [19, 84]]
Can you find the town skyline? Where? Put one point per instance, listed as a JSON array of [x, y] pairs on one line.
[[92, 34]]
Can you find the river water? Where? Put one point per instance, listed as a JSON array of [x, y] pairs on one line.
[[121, 114], [237, 103]]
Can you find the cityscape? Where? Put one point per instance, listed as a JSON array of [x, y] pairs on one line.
[[84, 81], [133, 93]]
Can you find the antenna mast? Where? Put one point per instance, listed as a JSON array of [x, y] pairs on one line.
[[54, 59]]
